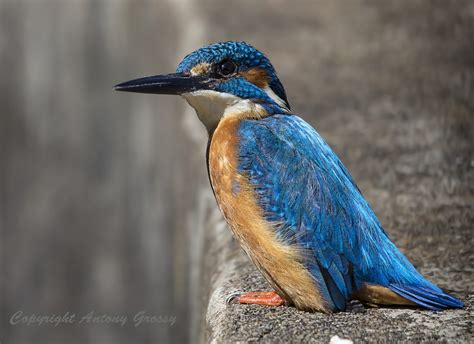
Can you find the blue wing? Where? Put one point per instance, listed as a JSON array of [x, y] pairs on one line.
[[301, 184]]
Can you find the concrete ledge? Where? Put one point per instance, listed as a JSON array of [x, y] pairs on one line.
[[233, 272]]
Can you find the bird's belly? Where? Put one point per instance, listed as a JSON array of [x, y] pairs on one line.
[[279, 262]]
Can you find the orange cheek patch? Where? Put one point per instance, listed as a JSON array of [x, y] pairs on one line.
[[257, 76]]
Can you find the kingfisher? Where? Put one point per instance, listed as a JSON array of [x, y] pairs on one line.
[[286, 196]]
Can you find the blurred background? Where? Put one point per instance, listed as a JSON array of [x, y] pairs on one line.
[[104, 196]]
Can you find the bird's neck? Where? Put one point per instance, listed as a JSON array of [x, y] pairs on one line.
[[211, 107]]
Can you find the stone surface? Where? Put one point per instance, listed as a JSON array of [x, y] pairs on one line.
[[253, 323]]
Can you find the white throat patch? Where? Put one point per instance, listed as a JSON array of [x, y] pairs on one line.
[[275, 98], [211, 106]]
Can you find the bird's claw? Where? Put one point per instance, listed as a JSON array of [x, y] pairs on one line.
[[355, 306], [233, 297]]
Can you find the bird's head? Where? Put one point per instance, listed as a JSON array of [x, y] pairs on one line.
[[229, 78]]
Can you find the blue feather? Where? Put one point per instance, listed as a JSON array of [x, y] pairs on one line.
[[300, 182], [431, 299]]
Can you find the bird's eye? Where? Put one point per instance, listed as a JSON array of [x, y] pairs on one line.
[[226, 67]]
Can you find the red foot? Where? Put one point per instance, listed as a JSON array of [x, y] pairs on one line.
[[266, 298]]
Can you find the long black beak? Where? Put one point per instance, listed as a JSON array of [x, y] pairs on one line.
[[167, 84]]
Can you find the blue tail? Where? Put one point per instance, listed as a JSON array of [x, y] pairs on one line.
[[434, 299]]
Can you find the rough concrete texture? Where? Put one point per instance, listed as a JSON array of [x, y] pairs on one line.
[[390, 86], [253, 323]]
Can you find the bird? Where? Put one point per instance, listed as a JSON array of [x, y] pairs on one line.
[[286, 196]]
